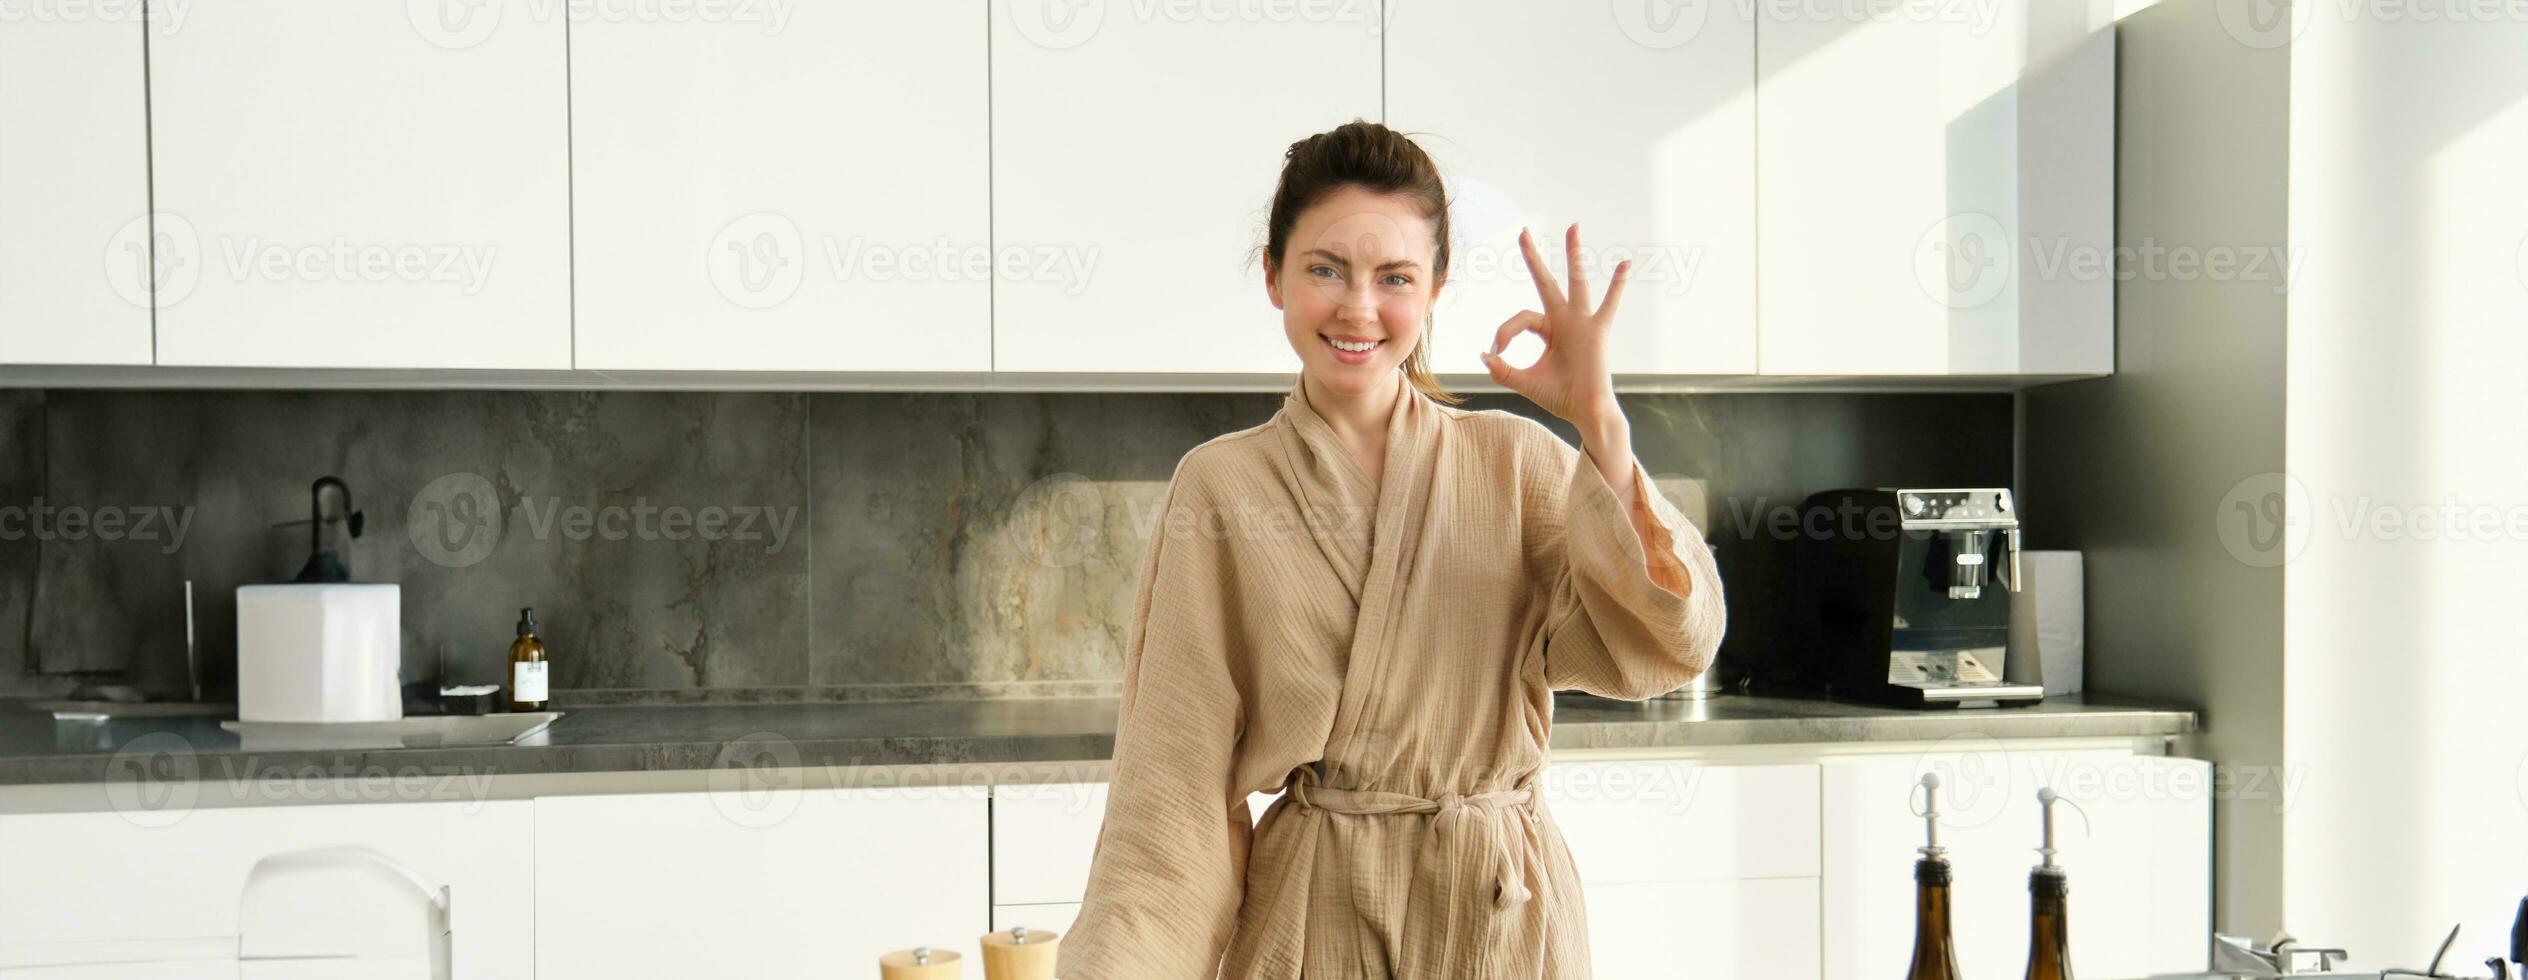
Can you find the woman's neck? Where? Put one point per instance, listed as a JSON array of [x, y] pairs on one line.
[[1357, 419]]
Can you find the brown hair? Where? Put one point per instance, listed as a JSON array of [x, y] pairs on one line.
[[1371, 156]]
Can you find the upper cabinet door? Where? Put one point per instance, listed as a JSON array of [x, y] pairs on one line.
[[1134, 152], [361, 183], [75, 269], [1935, 188], [804, 192], [1635, 120]]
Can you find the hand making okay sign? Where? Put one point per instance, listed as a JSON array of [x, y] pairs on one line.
[[1571, 380]]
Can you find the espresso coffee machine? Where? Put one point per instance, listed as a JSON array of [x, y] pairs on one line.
[[1903, 596]]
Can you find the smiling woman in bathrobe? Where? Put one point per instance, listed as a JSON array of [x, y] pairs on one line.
[[1368, 601]]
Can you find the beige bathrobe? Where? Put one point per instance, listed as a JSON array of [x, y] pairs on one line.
[[1408, 636]]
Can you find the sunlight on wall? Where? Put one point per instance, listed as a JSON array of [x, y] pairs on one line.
[[2406, 418]]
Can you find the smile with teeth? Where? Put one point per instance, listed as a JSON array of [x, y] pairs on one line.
[[1354, 346]]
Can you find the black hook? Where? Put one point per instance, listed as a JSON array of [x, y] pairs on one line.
[[322, 564]]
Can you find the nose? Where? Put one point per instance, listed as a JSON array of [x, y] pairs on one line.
[[1356, 306]]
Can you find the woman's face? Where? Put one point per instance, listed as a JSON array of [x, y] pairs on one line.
[[1354, 285]]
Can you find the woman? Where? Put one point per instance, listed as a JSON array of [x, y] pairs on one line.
[[1367, 601]]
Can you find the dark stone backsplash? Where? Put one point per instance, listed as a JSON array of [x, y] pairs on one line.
[[712, 547]]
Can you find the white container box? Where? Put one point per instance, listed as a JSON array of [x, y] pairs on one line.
[[331, 652]]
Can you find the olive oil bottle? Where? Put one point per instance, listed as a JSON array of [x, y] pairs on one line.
[[2049, 922], [1935, 953]]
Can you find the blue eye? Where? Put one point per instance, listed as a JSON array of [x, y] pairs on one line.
[[1314, 269], [1401, 280]]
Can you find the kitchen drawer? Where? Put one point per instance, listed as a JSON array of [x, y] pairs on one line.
[[1672, 821], [1044, 836]]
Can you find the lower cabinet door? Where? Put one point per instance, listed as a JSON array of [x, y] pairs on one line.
[[768, 883], [163, 892], [1044, 839], [2137, 849], [1757, 929]]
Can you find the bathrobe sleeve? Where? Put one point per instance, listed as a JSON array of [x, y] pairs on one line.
[[1628, 618], [1169, 869]]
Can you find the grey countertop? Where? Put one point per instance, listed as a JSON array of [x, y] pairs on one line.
[[35, 749]]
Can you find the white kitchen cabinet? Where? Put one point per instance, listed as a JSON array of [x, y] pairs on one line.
[[75, 266], [1935, 189], [1686, 863], [1633, 822], [1666, 182], [2140, 869], [169, 880], [362, 184], [1134, 153], [1763, 927], [781, 882], [1044, 838], [809, 198]]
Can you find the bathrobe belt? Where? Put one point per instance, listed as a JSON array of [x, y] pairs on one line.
[[1467, 832]]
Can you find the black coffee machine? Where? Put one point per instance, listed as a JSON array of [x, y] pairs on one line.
[[1902, 596]]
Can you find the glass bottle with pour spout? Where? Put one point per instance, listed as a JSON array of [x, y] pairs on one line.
[[2049, 922], [1935, 953]]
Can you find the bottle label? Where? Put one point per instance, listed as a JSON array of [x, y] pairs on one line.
[[526, 681]]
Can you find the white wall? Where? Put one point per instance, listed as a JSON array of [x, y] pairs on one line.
[[2408, 389], [2132, 469]]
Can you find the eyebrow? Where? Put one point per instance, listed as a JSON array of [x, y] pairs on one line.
[[1389, 264]]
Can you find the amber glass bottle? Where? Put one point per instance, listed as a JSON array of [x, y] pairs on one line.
[[2049, 927], [2049, 922], [526, 667], [1935, 955]]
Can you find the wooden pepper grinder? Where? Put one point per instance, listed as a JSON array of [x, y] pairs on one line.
[[921, 963], [1020, 954]]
